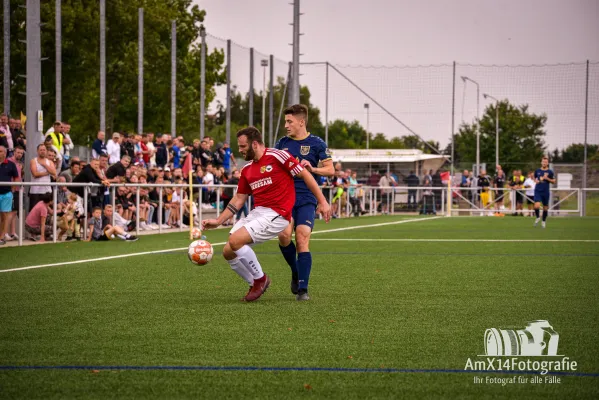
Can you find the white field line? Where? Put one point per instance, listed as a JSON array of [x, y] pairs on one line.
[[458, 240], [214, 244]]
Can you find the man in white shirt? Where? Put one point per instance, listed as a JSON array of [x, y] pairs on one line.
[[152, 148], [529, 185], [113, 148], [210, 194]]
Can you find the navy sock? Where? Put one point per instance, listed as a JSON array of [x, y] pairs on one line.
[[545, 212], [537, 213], [304, 266], [289, 254]]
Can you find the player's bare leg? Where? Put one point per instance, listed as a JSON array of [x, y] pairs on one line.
[[289, 251], [302, 237], [238, 249]]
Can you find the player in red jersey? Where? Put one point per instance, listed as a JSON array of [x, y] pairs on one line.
[[269, 178]]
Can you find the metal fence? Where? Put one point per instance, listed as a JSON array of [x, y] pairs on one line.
[[353, 201]]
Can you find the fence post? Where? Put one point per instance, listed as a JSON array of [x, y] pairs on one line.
[[112, 202], [137, 211], [54, 213], [85, 213], [160, 205], [20, 215]]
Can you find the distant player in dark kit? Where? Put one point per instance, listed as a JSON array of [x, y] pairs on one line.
[[309, 151], [544, 177], [269, 178]]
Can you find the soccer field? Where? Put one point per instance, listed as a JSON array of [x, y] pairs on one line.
[[399, 305]]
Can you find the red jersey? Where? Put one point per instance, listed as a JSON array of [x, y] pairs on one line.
[[270, 181], [146, 157]]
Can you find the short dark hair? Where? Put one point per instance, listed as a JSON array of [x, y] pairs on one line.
[[41, 145], [75, 163], [46, 197], [298, 110], [252, 134], [19, 147], [96, 208], [144, 135]]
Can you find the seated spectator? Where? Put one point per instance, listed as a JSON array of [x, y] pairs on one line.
[[101, 230], [35, 223], [68, 220]]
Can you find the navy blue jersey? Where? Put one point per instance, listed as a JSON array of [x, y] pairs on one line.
[[313, 149], [542, 185]]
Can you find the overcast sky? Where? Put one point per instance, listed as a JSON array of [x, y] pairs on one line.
[[409, 32]]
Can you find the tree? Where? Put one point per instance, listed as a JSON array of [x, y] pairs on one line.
[[240, 110], [521, 136], [81, 64], [574, 153]]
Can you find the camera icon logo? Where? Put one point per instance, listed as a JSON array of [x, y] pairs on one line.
[[537, 339]]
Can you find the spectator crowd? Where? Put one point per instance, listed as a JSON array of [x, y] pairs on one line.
[[158, 159], [125, 158]]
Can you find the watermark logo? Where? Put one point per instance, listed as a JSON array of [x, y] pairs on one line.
[[531, 349], [538, 338]]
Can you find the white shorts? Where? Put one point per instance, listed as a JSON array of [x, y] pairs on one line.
[[263, 224]]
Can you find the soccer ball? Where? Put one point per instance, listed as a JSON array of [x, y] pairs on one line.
[[200, 252], [196, 233]]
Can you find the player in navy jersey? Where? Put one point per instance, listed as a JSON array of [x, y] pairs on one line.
[[544, 177], [310, 151]]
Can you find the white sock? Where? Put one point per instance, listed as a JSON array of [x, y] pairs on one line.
[[123, 237], [241, 270], [249, 259]]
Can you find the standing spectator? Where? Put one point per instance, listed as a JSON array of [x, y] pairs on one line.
[[437, 183], [68, 142], [69, 174], [484, 182], [113, 148], [228, 157], [517, 184], [412, 181], [18, 159], [6, 139], [127, 147], [427, 195], [206, 153], [177, 145], [145, 150], [218, 156], [161, 151], [42, 170], [8, 173], [98, 146], [91, 173], [498, 184], [354, 194], [466, 183], [35, 223], [529, 185], [385, 182], [53, 154], [18, 136], [152, 148]]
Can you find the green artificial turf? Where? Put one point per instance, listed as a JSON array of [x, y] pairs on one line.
[[376, 304]]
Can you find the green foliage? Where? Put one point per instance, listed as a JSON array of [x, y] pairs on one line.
[[521, 135], [574, 153], [81, 64]]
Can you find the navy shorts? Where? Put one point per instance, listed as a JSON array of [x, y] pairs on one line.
[[304, 215], [542, 198]]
